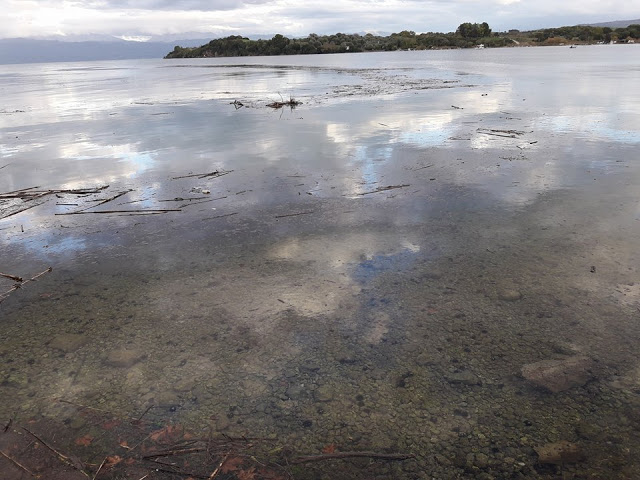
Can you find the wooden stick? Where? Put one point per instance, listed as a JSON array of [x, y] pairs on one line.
[[12, 277], [204, 175], [108, 199], [215, 472], [20, 211], [221, 216], [63, 458], [17, 464], [169, 453], [293, 214], [162, 210], [17, 191], [99, 468], [333, 456], [4, 295], [384, 189], [29, 193], [203, 201]]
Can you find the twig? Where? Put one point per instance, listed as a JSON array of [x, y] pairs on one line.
[[498, 135], [293, 214], [20, 211], [29, 193], [421, 168], [17, 464], [215, 472], [4, 295], [99, 468], [12, 277], [383, 189], [333, 456], [17, 191], [75, 464], [221, 216], [213, 174], [163, 210], [203, 201], [169, 453], [108, 199]]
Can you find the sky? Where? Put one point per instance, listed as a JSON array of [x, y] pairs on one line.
[[158, 19]]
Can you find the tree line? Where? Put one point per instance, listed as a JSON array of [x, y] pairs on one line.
[[467, 35]]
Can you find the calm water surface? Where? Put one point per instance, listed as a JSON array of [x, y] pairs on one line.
[[380, 269]]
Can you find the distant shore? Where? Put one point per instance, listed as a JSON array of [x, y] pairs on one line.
[[466, 36]]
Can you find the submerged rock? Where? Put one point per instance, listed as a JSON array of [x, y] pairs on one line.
[[558, 453], [323, 394], [509, 295], [463, 378], [559, 375], [124, 358], [68, 342]]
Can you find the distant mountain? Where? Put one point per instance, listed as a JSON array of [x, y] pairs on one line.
[[616, 24], [25, 50]]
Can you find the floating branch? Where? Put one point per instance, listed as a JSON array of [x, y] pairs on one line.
[[213, 174], [293, 214], [12, 277], [82, 212], [384, 189], [31, 193], [21, 283], [292, 103], [109, 199]]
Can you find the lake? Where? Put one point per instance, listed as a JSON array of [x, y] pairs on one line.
[[434, 255]]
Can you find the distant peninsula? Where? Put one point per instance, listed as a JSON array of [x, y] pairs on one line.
[[467, 35]]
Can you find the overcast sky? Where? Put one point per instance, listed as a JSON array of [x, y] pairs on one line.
[[132, 18]]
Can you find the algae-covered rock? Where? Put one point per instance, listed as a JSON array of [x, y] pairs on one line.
[[559, 375]]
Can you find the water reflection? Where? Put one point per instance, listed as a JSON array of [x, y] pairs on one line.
[[372, 273]]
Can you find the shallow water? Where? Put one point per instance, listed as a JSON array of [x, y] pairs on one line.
[[373, 272]]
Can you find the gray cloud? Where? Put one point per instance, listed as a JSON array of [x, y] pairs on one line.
[[27, 18]]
